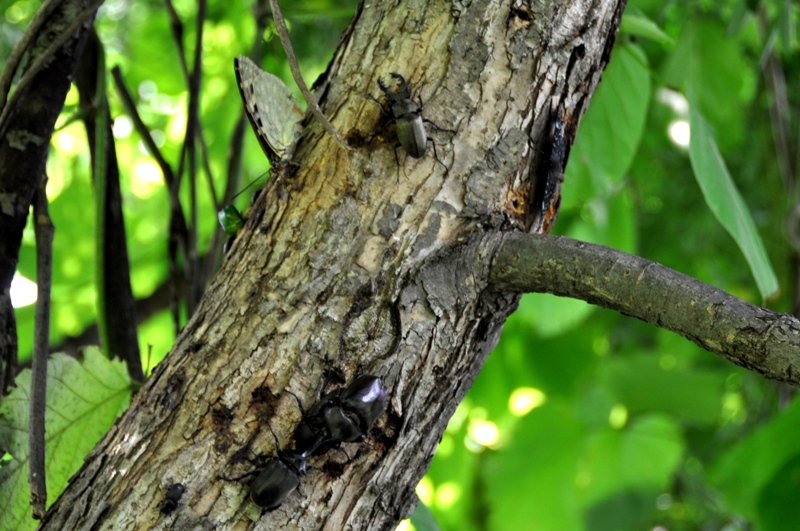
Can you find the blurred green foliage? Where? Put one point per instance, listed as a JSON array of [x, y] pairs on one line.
[[581, 418]]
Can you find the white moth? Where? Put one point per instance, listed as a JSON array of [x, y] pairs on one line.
[[272, 110]]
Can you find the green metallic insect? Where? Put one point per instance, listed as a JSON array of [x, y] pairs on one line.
[[230, 219]]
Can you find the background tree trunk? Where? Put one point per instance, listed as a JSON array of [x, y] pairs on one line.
[[344, 268]]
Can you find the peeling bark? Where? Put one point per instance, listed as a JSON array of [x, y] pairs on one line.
[[344, 268]]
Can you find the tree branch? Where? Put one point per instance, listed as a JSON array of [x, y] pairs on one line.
[[751, 337], [24, 143], [114, 285], [44, 229]]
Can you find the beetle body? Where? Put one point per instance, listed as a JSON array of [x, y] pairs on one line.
[[410, 129], [342, 425], [367, 397], [280, 477], [345, 415], [230, 219], [275, 482], [408, 117], [171, 498]]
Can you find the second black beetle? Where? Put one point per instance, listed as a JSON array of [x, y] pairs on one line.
[[277, 480], [280, 476], [345, 415]]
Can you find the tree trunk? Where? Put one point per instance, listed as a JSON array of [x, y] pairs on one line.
[[348, 266]]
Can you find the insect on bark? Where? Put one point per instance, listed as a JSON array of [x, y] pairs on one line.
[[409, 122]]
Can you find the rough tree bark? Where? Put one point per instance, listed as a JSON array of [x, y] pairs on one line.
[[344, 268]]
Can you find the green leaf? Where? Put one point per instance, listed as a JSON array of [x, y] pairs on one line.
[[623, 471], [422, 519], [531, 483], [611, 131], [83, 401], [777, 503], [725, 201], [635, 22], [707, 56], [744, 471], [642, 384], [556, 315]]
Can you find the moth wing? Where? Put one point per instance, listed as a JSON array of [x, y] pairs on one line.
[[271, 108]]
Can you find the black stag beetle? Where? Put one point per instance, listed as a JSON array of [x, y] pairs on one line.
[[408, 119], [344, 415], [341, 416], [279, 477]]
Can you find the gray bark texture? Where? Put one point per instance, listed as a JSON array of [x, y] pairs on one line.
[[347, 266]]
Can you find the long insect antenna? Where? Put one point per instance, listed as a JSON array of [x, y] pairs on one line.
[[299, 402], [254, 181], [277, 442]]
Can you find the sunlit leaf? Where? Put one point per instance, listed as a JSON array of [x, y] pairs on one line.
[[83, 400], [623, 471], [706, 56], [642, 384], [725, 201], [423, 519], [612, 128], [531, 484], [635, 22]]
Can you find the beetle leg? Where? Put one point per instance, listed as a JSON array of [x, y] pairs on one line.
[[373, 98], [436, 155], [277, 442], [239, 478], [397, 160], [299, 403], [439, 128]]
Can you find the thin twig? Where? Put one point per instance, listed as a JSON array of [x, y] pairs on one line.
[[14, 58], [207, 170], [43, 228], [100, 170], [283, 34], [139, 125], [195, 286], [120, 339], [176, 25], [175, 240], [178, 232]]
